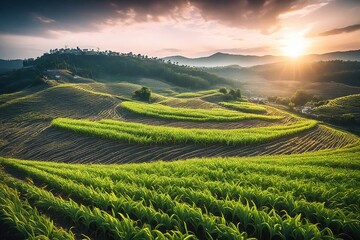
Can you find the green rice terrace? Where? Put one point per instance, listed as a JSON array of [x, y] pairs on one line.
[[88, 161]]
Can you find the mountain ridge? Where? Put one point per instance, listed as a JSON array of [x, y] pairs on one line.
[[225, 59]]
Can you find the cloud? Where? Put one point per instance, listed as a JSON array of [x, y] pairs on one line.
[[251, 50], [170, 50], [17, 16], [303, 11], [43, 19], [347, 29]]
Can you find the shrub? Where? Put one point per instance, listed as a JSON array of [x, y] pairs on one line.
[[143, 94], [223, 90]]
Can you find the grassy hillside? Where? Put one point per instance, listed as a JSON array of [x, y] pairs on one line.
[[306, 189], [344, 109], [103, 66], [27, 133], [306, 196]]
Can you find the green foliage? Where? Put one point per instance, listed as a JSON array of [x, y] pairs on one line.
[[343, 110], [143, 94], [233, 94], [283, 100], [320, 103], [244, 107], [223, 90], [300, 196], [20, 79], [147, 134], [96, 66], [190, 114], [27, 221], [228, 97], [205, 93], [272, 98], [301, 97]]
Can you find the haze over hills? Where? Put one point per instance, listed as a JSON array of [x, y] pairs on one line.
[[329, 79], [225, 59]]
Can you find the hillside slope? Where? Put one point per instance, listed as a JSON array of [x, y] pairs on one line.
[[109, 68], [27, 132], [329, 79], [341, 109]]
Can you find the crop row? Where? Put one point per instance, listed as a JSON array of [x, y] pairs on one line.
[[257, 222], [213, 196], [27, 222], [244, 107], [90, 219], [173, 217], [147, 134], [189, 114], [292, 193]]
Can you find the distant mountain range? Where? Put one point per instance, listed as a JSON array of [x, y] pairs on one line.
[[225, 59]]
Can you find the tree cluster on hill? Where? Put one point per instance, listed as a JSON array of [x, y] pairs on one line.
[[131, 65], [299, 98], [19, 79], [232, 94]]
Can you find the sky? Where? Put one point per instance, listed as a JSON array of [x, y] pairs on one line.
[[191, 28]]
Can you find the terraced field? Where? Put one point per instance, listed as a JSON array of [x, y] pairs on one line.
[[244, 107], [62, 100], [191, 114], [149, 134], [26, 130], [306, 196], [338, 107], [304, 187]]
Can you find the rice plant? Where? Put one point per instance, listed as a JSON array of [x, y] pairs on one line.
[[189, 114], [148, 134]]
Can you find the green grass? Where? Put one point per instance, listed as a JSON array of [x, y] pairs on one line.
[[339, 106], [244, 107], [25, 221], [305, 196], [204, 93], [188, 114], [148, 134]]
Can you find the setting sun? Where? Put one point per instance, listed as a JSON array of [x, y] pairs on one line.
[[294, 46]]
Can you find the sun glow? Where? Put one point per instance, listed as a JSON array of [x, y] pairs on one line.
[[294, 46]]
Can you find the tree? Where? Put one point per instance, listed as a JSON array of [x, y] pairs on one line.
[[223, 90], [238, 93], [272, 98], [232, 93], [300, 98], [143, 94]]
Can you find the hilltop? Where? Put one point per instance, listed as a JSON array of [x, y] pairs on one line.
[[106, 67]]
